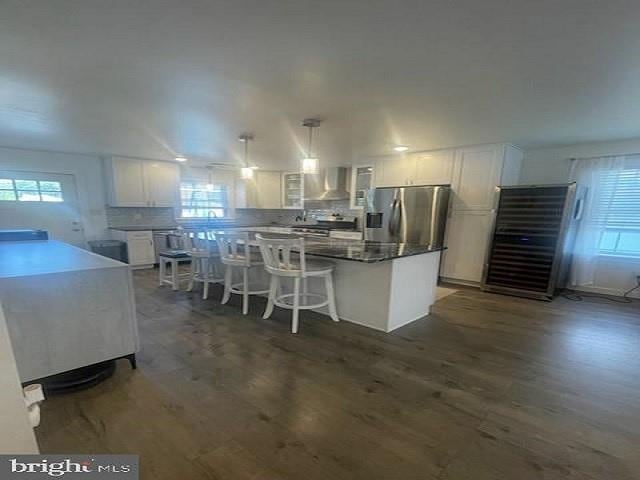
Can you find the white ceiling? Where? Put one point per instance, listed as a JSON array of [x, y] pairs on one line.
[[154, 78]]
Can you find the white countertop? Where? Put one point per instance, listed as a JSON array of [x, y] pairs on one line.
[[21, 259]]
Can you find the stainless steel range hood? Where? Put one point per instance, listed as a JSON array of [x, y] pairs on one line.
[[330, 184]]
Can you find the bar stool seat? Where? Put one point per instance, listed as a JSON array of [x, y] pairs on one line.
[[173, 259], [285, 258]]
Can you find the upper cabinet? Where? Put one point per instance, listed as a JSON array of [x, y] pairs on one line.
[[423, 168], [478, 170], [394, 171], [361, 181], [264, 190], [141, 183], [433, 168], [292, 190]]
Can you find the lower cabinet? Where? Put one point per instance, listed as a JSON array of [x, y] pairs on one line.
[[139, 247], [466, 239]]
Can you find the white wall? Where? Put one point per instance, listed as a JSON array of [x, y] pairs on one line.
[[88, 174], [551, 165]]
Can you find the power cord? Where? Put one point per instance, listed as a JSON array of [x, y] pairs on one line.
[[579, 297]]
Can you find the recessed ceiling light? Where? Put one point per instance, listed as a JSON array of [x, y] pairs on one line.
[[180, 159], [401, 148]]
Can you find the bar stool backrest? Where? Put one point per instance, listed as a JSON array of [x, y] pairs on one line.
[[283, 256], [234, 248]]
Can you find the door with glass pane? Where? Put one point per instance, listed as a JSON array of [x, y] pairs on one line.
[[292, 190], [361, 182], [36, 200]]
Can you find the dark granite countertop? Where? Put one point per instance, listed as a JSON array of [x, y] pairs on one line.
[[365, 251]]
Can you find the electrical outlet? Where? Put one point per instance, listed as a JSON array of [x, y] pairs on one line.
[[637, 279]]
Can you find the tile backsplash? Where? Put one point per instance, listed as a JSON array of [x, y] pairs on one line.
[[142, 216], [324, 208], [250, 216], [165, 217]]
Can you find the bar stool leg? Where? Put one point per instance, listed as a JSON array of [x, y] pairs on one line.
[[296, 305], [227, 284], [273, 291], [174, 274], [204, 272], [192, 274], [161, 271], [245, 290], [328, 281]]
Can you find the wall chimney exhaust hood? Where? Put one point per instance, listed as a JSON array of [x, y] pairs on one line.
[[329, 184]]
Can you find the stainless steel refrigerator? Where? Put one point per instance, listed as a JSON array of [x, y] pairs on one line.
[[415, 215]]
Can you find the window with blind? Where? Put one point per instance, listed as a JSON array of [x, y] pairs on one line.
[[203, 200], [618, 211]]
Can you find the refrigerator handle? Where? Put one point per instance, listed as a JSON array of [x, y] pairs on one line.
[[395, 217], [392, 217], [577, 215]]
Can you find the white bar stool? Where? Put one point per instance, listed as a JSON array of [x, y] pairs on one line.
[[235, 252], [172, 257], [203, 251], [280, 261]]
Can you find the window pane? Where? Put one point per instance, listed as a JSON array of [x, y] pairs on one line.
[[26, 185], [629, 242], [608, 240], [6, 184], [51, 196], [28, 196], [7, 195], [50, 186]]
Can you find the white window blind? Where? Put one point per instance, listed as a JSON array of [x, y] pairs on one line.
[[617, 209]]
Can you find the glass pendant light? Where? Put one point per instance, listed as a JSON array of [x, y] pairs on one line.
[[310, 162], [246, 172]]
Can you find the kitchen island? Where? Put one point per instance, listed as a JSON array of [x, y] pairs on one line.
[[65, 307], [378, 285]]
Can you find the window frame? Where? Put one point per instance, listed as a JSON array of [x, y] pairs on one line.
[[619, 228], [214, 205], [37, 190]]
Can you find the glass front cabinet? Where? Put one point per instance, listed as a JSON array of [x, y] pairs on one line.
[[292, 190], [361, 181]]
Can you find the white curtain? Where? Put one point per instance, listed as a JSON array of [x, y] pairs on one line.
[[590, 173]]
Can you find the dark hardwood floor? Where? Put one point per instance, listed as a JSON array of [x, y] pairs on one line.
[[487, 387]]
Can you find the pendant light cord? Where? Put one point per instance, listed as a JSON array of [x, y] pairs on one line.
[[310, 142], [246, 153]]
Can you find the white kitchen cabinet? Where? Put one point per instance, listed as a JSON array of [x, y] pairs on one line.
[[125, 182], [292, 190], [361, 182], [476, 174], [421, 168], [467, 237], [140, 249], [433, 168], [264, 190], [394, 171], [161, 183], [141, 183]]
